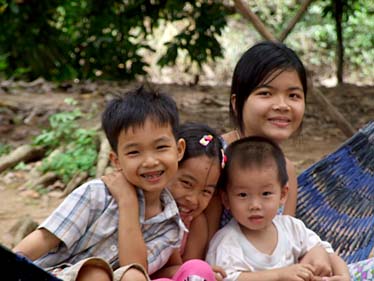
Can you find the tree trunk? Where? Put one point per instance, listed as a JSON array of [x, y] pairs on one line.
[[257, 23], [295, 20], [338, 13]]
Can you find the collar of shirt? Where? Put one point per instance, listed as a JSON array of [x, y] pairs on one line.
[[170, 209]]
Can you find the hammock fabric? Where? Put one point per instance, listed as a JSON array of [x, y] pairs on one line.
[[336, 196]]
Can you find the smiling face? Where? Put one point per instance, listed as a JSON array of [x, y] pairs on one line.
[[148, 155], [254, 195], [195, 184], [275, 109]]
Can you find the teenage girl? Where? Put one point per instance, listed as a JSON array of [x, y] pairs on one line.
[[268, 98], [192, 189]]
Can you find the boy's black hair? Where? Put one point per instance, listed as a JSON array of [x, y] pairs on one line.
[[253, 151], [256, 65], [192, 133], [132, 110]]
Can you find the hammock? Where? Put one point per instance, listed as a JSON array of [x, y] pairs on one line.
[[336, 196]]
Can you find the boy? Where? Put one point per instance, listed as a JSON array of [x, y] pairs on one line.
[[79, 241], [258, 244]]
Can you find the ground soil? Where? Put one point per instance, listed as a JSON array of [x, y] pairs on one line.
[[24, 111]]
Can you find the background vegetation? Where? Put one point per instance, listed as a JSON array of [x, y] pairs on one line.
[[113, 39]]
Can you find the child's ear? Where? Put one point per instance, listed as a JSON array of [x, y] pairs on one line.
[[233, 102], [114, 159], [225, 199], [181, 147], [284, 194]]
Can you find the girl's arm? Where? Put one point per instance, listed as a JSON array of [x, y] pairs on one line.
[[290, 206], [319, 259], [171, 267], [131, 245], [37, 244], [197, 239], [213, 215], [294, 272], [339, 268]]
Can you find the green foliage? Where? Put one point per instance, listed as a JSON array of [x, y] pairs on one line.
[[80, 145], [4, 149], [101, 39]]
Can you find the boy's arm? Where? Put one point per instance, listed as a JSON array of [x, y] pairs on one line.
[[131, 245], [197, 239], [37, 244], [319, 259]]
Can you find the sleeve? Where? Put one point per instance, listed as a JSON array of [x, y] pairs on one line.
[[226, 253], [305, 237], [73, 216]]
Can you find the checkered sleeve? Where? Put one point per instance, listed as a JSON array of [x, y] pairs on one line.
[[74, 215]]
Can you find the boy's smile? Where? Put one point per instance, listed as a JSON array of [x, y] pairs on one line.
[[148, 155]]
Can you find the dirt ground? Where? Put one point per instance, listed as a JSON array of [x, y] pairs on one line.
[[24, 111]]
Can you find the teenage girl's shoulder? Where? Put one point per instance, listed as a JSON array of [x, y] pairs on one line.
[[230, 137]]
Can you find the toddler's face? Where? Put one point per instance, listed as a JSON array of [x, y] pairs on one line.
[[254, 195], [148, 155], [276, 108], [195, 184]]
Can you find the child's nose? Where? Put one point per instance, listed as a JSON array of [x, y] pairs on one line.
[[150, 161], [255, 204], [192, 199]]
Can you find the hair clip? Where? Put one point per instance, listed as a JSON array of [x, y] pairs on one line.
[[205, 140], [224, 158]]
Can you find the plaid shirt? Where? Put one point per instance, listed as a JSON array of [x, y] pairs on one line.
[[87, 224]]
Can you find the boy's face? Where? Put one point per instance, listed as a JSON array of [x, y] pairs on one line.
[[148, 155], [254, 195]]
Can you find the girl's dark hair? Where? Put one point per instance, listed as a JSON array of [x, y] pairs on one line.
[[253, 151], [192, 133], [132, 110], [255, 66]]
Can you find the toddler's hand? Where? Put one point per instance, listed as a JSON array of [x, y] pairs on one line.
[[219, 273], [297, 272]]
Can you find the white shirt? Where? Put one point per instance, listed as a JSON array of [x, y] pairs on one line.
[[230, 249]]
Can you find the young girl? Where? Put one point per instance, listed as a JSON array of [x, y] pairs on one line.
[[192, 189], [268, 95], [258, 244]]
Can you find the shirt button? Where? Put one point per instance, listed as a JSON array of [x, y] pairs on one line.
[[113, 248]]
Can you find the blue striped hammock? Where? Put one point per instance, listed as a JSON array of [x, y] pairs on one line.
[[336, 196]]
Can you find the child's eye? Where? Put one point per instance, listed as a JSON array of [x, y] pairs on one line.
[[208, 192], [242, 194], [162, 147], [266, 193], [132, 153], [186, 184]]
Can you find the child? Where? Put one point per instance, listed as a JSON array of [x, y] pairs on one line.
[[79, 241], [268, 98], [192, 188], [258, 244]]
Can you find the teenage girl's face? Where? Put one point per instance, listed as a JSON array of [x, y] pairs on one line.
[[253, 196], [195, 184], [276, 108]]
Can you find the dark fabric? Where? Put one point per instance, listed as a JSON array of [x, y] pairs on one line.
[[336, 196], [18, 268]]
